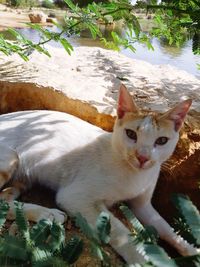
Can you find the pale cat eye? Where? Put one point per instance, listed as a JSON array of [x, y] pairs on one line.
[[161, 140], [131, 134]]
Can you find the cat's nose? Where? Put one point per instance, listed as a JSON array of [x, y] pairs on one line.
[[142, 159]]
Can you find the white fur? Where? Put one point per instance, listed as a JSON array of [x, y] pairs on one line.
[[89, 169]]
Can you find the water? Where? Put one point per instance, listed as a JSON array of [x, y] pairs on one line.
[[182, 57]]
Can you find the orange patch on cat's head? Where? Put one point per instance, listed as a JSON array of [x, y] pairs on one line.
[[127, 110]]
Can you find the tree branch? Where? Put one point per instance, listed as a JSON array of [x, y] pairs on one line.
[[50, 39], [185, 11], [117, 10]]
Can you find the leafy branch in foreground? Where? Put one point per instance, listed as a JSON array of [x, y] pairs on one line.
[[175, 21], [89, 17]]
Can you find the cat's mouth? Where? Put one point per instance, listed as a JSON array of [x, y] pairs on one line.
[[141, 166]]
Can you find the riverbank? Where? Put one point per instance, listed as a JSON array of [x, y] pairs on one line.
[[13, 18], [180, 57], [19, 17]]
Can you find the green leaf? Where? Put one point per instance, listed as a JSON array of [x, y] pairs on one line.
[[21, 221], [94, 30], [40, 233], [132, 219], [14, 247], [15, 33], [141, 234], [39, 255], [93, 7], [56, 238], [23, 56], [110, 44], [4, 207], [68, 47], [72, 250], [158, 256], [190, 215], [115, 37], [196, 44], [103, 227], [9, 262], [136, 26], [70, 5], [96, 251], [85, 227], [41, 49], [91, 234]]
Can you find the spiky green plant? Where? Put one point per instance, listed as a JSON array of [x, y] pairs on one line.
[[145, 238], [45, 244]]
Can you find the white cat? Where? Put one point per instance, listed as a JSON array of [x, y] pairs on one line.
[[91, 169]]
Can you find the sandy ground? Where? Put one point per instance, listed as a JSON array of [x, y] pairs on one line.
[[17, 18], [12, 18]]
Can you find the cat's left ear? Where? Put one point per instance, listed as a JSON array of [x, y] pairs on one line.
[[178, 113], [125, 102]]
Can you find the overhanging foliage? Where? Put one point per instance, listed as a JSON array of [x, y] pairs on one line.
[[175, 21]]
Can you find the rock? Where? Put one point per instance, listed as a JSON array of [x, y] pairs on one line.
[[51, 20], [86, 84], [52, 15], [37, 17]]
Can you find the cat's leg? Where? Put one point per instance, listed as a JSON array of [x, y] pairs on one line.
[[73, 199], [146, 213], [35, 213], [8, 164], [32, 212]]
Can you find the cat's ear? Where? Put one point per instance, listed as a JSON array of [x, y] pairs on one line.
[[125, 102], [178, 113]]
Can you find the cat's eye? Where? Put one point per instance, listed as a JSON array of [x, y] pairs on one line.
[[131, 134], [161, 141]]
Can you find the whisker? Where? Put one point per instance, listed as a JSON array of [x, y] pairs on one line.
[[167, 170]]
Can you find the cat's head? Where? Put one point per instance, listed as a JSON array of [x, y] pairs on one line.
[[142, 138]]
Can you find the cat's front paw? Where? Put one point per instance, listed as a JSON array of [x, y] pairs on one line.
[[54, 214], [190, 250], [185, 248]]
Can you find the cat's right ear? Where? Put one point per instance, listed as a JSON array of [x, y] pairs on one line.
[[125, 102]]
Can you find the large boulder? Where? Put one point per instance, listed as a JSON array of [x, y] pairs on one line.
[[37, 17], [86, 84]]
